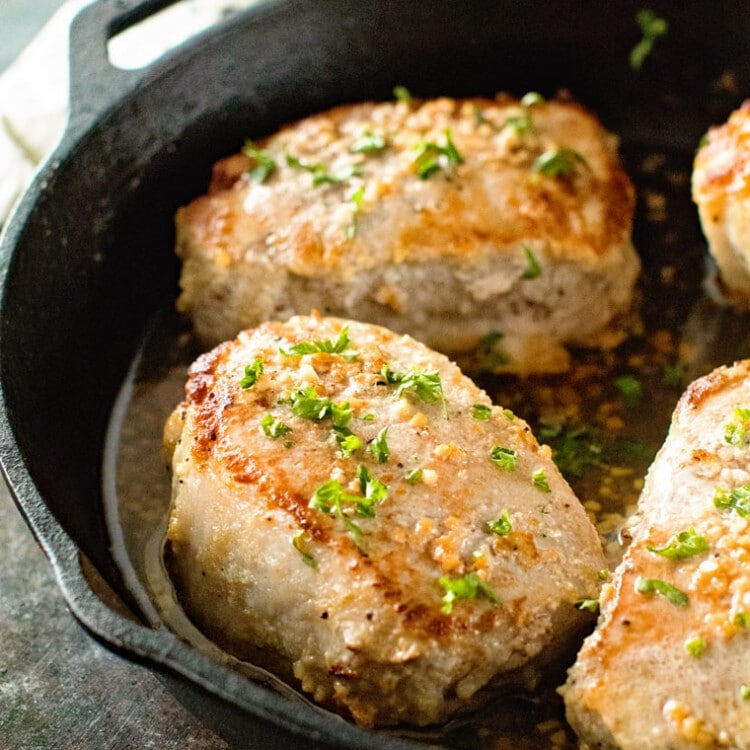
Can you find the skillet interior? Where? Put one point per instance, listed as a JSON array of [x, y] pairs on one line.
[[87, 256]]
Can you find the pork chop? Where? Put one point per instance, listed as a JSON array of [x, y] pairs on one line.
[[721, 189], [496, 225], [668, 666], [344, 496]]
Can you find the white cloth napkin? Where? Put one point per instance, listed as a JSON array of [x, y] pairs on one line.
[[34, 89]]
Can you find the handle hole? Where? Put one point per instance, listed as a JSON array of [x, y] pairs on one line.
[[141, 44]]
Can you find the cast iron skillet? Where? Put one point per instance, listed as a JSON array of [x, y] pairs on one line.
[[87, 256]]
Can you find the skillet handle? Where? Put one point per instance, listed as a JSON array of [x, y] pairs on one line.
[[96, 84]]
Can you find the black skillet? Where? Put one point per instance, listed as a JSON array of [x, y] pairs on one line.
[[87, 256]]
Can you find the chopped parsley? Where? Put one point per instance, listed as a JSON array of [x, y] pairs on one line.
[[631, 390], [425, 385], [320, 173], [509, 415], [468, 587], [306, 403], [671, 593], [402, 94], [491, 356], [501, 526], [372, 488], [574, 449], [331, 497], [741, 619], [252, 373], [432, 157], [273, 427], [539, 480], [356, 200], [340, 345], [560, 162], [414, 476], [533, 269], [685, 544], [346, 440], [696, 646], [652, 27], [745, 692], [523, 122], [674, 375], [379, 447], [737, 499], [369, 143], [737, 432], [265, 165], [505, 458], [604, 574], [587, 605], [300, 544], [530, 98], [481, 412]]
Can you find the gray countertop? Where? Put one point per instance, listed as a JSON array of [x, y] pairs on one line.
[[58, 687]]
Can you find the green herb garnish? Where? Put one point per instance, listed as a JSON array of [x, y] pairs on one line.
[[379, 447], [745, 692], [505, 458], [737, 499], [320, 173], [560, 162], [533, 269], [539, 480], [356, 200], [652, 27], [685, 544], [587, 605], [696, 646], [331, 498], [432, 157], [674, 375], [523, 123], [273, 427], [655, 586], [737, 432], [491, 356], [426, 385], [481, 412], [369, 143], [252, 373], [265, 165], [306, 403], [741, 619], [414, 476], [530, 98], [574, 449], [300, 544], [339, 345], [346, 440], [468, 587], [630, 389], [402, 94], [501, 526]]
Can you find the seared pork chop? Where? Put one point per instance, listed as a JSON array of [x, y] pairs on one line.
[[344, 496], [721, 189], [460, 222], [668, 666]]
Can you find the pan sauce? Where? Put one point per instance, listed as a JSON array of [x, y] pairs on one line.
[[604, 420]]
